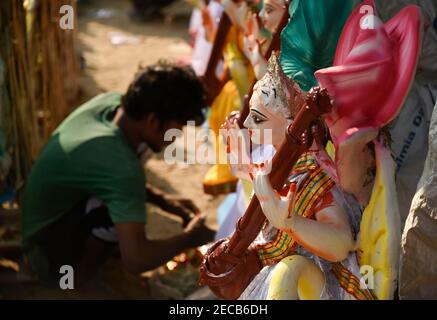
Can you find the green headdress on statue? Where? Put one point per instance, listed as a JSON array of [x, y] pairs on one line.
[[309, 40]]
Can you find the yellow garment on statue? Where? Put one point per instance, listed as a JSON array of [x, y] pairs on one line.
[[330, 149], [380, 231], [296, 277], [219, 179], [239, 66], [231, 97], [227, 101], [247, 191]]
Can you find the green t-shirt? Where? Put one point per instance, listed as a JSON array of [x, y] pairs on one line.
[[86, 156]]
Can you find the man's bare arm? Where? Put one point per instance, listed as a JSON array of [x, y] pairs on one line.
[[154, 195], [181, 207], [140, 254]]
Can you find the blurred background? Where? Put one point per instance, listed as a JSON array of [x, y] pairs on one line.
[[45, 72]]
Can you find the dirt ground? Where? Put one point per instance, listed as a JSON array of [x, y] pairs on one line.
[[110, 67]]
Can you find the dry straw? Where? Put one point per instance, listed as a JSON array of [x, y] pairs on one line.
[[40, 79]]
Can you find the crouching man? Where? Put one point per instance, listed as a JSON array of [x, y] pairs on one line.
[[87, 190]]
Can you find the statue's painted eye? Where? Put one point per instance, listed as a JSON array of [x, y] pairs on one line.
[[268, 9], [257, 119]]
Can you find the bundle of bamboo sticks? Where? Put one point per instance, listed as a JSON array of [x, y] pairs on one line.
[[54, 60], [39, 68], [18, 108]]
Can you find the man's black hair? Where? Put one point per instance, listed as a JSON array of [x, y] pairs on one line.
[[170, 91]]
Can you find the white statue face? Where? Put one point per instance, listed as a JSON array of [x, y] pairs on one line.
[[269, 117], [272, 13]]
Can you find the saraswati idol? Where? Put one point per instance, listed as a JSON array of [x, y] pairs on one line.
[[331, 217]]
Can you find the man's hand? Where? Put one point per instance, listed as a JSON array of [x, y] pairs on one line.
[[184, 208], [140, 254], [198, 232]]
